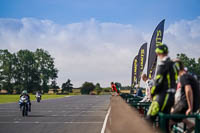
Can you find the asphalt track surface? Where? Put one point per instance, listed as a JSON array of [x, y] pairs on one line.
[[75, 114]]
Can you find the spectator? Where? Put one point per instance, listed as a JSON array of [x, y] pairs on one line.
[[190, 96], [118, 86], [138, 91], [149, 84], [114, 89]]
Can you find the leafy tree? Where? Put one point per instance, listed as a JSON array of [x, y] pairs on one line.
[[67, 86], [54, 86], [192, 65], [46, 68], [107, 89], [98, 88], [6, 70], [27, 73], [17, 74], [26, 70], [87, 87]]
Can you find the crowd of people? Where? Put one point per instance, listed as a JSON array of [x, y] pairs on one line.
[[173, 91]]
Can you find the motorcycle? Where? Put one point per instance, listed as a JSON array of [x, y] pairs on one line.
[[24, 105], [38, 97]]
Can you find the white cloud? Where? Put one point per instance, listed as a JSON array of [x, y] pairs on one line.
[[184, 37], [85, 51], [91, 50]]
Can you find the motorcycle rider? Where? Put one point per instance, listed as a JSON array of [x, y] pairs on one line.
[[163, 90], [25, 94], [38, 94]]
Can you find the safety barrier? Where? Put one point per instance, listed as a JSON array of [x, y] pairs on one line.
[[162, 118], [130, 97], [141, 106], [134, 101]]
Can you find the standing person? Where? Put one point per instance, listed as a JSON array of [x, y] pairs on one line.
[[163, 90], [190, 97], [118, 87], [149, 84], [114, 88]]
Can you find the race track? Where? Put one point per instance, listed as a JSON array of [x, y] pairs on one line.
[[75, 114]]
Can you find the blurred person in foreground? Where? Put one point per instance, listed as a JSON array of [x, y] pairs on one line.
[[163, 90]]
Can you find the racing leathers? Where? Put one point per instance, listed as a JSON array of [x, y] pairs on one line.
[[29, 101], [163, 90]]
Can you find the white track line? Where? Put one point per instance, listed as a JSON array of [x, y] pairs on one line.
[[105, 121], [54, 108], [50, 111], [36, 122], [56, 115]]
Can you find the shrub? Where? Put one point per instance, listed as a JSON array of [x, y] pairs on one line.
[[87, 87]]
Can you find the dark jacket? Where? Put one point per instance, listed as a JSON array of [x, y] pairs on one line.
[[166, 77]]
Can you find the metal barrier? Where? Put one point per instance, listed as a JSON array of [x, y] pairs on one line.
[[134, 101], [126, 96], [144, 106], [130, 97], [164, 117]]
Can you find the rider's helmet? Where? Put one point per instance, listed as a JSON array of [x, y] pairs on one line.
[[24, 92], [162, 49]]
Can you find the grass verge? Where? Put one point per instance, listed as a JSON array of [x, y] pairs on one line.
[[15, 98]]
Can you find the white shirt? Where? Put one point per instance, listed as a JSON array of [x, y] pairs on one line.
[[149, 84]]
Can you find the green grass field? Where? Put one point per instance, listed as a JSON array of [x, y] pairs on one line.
[[15, 98]]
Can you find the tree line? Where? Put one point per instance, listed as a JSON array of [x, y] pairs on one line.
[[192, 64], [33, 71], [91, 88]]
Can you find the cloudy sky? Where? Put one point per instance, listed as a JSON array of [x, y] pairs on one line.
[[96, 40]]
